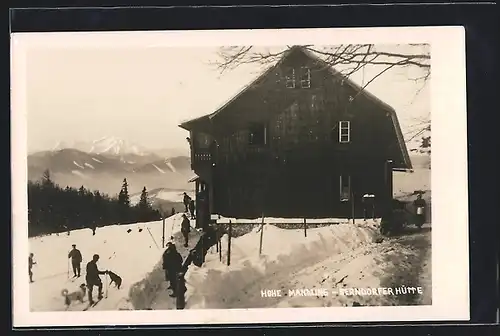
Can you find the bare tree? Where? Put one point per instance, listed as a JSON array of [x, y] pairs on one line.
[[348, 59]]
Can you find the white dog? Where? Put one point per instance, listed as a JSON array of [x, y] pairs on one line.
[[77, 295]]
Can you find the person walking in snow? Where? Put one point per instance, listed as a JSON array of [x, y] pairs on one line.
[[172, 264], [93, 278], [419, 205], [185, 229], [191, 209], [93, 227], [76, 259], [31, 262], [186, 200]]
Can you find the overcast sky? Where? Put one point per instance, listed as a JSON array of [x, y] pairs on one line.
[[141, 94]]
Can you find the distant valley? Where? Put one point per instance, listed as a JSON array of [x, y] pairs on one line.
[[104, 170]]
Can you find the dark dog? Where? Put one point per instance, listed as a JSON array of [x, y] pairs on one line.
[[115, 278]]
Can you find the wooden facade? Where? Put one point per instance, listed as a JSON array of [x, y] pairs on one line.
[[300, 141]]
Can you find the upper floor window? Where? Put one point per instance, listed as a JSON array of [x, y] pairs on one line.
[[290, 78], [305, 78], [203, 140], [301, 77], [257, 134], [344, 131]]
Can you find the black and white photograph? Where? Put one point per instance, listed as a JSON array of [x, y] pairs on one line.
[[287, 173]]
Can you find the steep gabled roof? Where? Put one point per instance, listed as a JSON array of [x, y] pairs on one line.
[[270, 69], [399, 134]]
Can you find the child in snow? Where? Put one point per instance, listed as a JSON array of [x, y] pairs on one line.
[[31, 262]]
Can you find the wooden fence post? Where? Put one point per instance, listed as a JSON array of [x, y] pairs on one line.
[[230, 232], [163, 236], [305, 228], [261, 234], [218, 238], [219, 243], [180, 300], [352, 203]]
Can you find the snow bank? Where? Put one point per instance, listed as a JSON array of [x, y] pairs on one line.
[[132, 255], [216, 285], [144, 293], [274, 220]]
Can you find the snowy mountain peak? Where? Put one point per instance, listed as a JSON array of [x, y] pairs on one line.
[[116, 146], [105, 145]]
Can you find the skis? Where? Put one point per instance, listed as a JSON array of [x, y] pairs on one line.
[[92, 305]]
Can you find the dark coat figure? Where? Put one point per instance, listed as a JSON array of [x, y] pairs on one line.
[[197, 255], [368, 206], [172, 264], [76, 259], [420, 206], [31, 262], [93, 278], [186, 200], [173, 211], [191, 209], [185, 229]]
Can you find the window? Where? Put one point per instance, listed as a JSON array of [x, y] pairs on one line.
[[305, 78], [344, 131], [290, 78], [345, 188], [257, 134], [203, 140]]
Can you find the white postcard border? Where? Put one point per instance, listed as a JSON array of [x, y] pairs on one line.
[[450, 251]]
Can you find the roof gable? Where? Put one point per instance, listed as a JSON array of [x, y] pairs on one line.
[[336, 74]]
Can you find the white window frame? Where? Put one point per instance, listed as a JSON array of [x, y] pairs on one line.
[[341, 195], [291, 80], [306, 81], [264, 135], [344, 125]]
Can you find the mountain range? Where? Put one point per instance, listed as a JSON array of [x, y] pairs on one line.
[[103, 164]]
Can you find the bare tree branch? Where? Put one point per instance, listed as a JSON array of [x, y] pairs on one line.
[[348, 59]]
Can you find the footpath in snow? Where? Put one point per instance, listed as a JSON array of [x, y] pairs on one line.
[[285, 251], [132, 251]]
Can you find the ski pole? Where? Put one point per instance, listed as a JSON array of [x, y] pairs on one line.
[[67, 272], [106, 292]]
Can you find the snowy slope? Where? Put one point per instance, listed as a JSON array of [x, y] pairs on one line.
[[130, 255]]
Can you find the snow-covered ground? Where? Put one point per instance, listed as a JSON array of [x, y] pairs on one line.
[[329, 257], [132, 255], [284, 251]]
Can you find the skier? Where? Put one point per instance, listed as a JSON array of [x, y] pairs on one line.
[[173, 211], [172, 264], [76, 259], [185, 229], [191, 209], [186, 199], [420, 204], [93, 278], [31, 262]]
